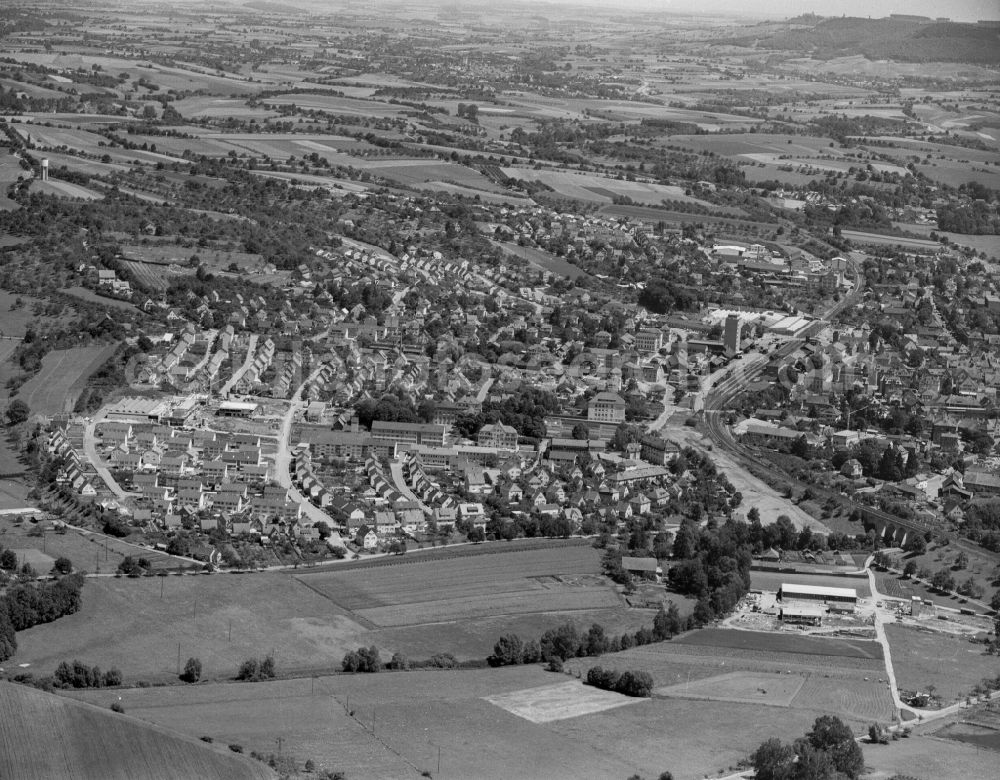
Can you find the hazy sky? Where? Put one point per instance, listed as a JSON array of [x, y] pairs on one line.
[[958, 10]]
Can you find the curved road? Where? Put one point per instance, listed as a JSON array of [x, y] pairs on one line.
[[283, 457], [238, 374]]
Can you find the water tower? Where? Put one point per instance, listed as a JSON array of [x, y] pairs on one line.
[[45, 170]]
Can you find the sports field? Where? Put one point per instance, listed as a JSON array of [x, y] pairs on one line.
[[55, 388]]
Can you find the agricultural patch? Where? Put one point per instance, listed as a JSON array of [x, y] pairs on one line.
[[55, 388], [559, 702], [782, 643]]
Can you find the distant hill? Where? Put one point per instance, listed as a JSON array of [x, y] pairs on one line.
[[46, 736], [900, 39]]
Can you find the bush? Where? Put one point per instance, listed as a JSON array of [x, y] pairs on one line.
[[236, 748], [364, 659], [399, 662], [443, 661], [63, 565], [192, 671], [877, 735], [254, 669], [117, 707]]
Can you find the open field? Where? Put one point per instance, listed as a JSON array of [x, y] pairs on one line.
[[17, 319], [47, 736], [952, 664], [746, 144], [13, 492], [601, 189], [690, 738], [782, 643], [928, 758], [531, 581], [774, 690], [851, 687], [414, 173], [64, 189], [542, 259], [10, 169], [988, 244], [766, 580], [200, 107], [90, 296], [880, 239], [267, 612], [338, 105], [52, 390], [306, 628], [90, 167], [414, 714], [483, 195]]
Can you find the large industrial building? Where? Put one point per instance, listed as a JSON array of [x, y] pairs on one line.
[[828, 595]]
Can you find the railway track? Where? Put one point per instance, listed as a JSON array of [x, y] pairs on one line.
[[720, 398]]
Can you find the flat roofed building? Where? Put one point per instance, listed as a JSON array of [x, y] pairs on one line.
[[410, 433], [236, 409], [794, 592], [808, 616]]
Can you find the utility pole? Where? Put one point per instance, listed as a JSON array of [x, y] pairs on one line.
[[439, 759], [178, 658]]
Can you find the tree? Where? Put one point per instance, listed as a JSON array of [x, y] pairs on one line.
[[942, 580], [831, 735], [773, 760], [8, 560], [192, 671], [910, 569], [476, 535], [63, 565], [916, 544], [17, 412], [508, 651], [876, 734]]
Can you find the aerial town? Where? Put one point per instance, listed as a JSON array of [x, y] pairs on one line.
[[622, 386]]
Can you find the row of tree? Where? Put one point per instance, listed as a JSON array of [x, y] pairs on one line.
[[566, 641], [79, 675], [631, 682]]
